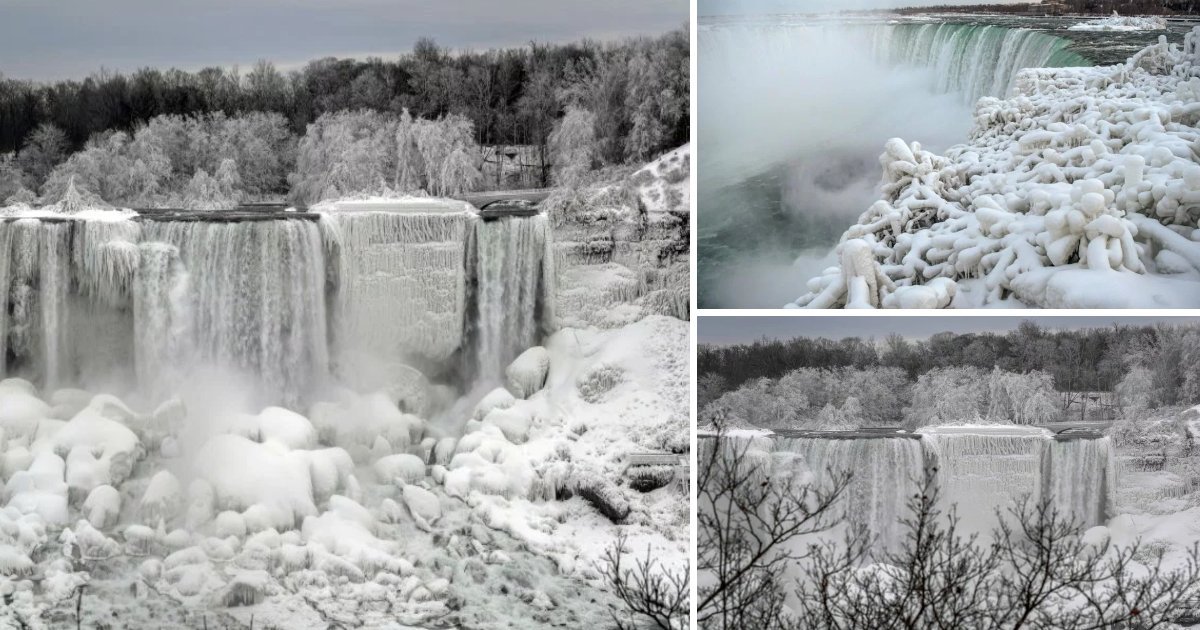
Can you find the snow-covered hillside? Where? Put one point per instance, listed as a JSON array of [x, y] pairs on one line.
[[1080, 190]]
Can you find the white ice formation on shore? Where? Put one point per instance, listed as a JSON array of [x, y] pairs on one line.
[[1080, 190]]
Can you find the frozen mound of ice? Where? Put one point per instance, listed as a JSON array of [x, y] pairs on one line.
[[1121, 23], [1081, 190]]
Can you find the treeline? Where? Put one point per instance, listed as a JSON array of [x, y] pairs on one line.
[[633, 94], [1078, 7], [1075, 360]]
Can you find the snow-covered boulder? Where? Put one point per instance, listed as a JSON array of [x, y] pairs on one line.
[[513, 422], [163, 498], [245, 474], [401, 467], [102, 507], [526, 375], [423, 505], [20, 408], [499, 398]]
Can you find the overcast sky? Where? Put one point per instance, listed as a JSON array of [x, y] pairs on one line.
[[726, 330], [54, 39], [732, 7]]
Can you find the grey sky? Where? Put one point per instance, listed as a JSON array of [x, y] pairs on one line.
[[727, 330], [54, 39], [734, 7]]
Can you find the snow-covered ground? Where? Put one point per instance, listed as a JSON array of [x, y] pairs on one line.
[[1080, 190], [355, 514], [1121, 23]]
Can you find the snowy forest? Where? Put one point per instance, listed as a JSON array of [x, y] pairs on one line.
[[1024, 376], [429, 122]]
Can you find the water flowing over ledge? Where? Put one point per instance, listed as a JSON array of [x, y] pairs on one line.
[[289, 300], [979, 470]]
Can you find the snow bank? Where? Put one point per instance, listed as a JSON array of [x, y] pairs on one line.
[[1076, 184]]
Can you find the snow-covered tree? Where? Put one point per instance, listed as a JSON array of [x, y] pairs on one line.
[[1018, 398], [949, 395], [44, 149], [409, 165], [12, 178], [573, 147], [1134, 392]]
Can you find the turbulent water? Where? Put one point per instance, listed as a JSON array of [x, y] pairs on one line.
[[794, 113], [286, 303]]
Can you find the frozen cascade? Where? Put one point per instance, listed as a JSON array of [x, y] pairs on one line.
[[972, 59], [887, 472], [983, 469], [514, 270], [401, 293], [1081, 478], [257, 298], [980, 470], [160, 313]]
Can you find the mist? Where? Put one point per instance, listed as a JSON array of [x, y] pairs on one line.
[[812, 106]]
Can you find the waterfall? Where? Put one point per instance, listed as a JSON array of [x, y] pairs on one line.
[[100, 301], [160, 313], [35, 277], [402, 288], [514, 263], [886, 474], [1081, 478], [974, 60], [982, 470], [256, 298]]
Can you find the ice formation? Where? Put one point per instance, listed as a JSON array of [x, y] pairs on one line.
[[1077, 191], [1121, 23]]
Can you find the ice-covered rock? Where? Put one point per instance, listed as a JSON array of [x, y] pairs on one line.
[[527, 373], [423, 505], [498, 398], [513, 422], [102, 507], [244, 474], [163, 498], [401, 467]]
